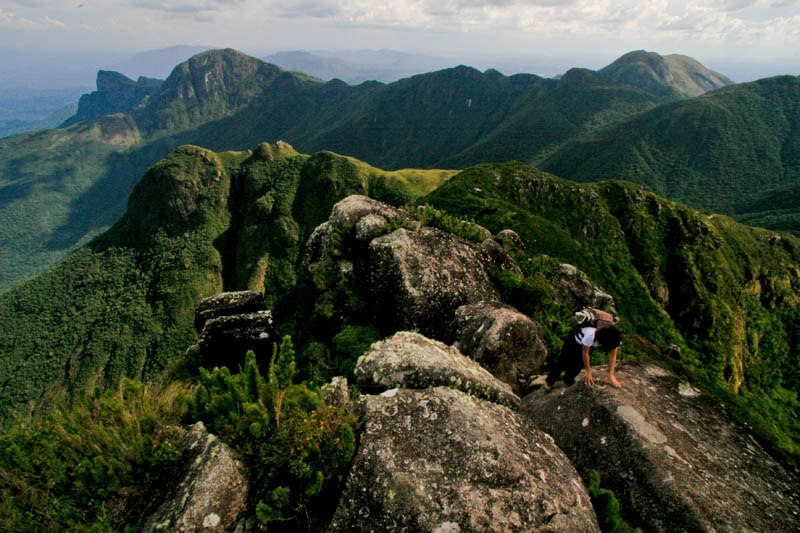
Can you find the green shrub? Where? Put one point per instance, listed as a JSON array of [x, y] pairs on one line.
[[296, 447], [99, 466], [606, 506], [467, 229]]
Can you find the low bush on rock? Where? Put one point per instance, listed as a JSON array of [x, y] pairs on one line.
[[295, 447], [606, 506]]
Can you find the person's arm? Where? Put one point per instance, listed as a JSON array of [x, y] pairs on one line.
[[587, 366], [612, 364]]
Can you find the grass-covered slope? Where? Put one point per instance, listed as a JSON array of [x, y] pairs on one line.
[[725, 293], [735, 150], [199, 222]]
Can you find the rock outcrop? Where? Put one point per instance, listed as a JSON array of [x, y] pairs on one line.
[[674, 459], [211, 495], [440, 460], [227, 304], [501, 339], [574, 289], [423, 276], [411, 361], [231, 323]]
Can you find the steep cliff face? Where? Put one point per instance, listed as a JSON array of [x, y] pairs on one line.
[[115, 93]]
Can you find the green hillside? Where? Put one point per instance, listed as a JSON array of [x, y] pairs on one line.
[[735, 150], [198, 223], [728, 295], [671, 77], [58, 188]]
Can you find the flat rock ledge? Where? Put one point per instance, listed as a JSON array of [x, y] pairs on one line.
[[227, 304], [674, 459], [411, 361], [212, 494], [439, 460]]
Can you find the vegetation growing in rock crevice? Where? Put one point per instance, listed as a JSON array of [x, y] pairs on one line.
[[296, 447], [606, 506]]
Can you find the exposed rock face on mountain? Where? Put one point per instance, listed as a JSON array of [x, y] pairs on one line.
[[230, 323], [116, 93], [672, 76], [227, 304], [500, 338], [575, 290], [674, 459], [441, 460], [211, 495], [412, 361]]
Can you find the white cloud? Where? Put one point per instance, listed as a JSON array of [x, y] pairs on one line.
[[13, 21]]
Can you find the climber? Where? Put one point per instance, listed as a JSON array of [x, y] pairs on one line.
[[576, 351]]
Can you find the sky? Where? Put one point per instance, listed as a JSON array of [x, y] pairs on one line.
[[603, 29]]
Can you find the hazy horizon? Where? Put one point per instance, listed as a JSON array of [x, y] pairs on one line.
[[591, 31]]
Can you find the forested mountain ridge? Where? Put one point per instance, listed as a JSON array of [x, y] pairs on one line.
[[673, 76], [735, 150], [224, 100], [201, 222]]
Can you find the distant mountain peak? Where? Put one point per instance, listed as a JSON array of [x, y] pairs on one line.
[[673, 76]]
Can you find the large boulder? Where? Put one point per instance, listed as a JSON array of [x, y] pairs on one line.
[[412, 361], [501, 339], [422, 277], [675, 460], [574, 289], [439, 460], [227, 304], [211, 494]]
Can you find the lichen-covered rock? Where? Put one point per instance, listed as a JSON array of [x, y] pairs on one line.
[[501, 339], [350, 212], [335, 393], [439, 460], [574, 289], [211, 495], [674, 459], [227, 338], [226, 304], [422, 277], [510, 240], [496, 257], [412, 361]]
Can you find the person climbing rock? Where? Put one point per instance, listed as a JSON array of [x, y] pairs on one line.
[[576, 351]]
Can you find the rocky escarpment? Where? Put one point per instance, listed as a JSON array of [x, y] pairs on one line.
[[231, 323], [422, 278], [115, 93], [675, 460], [439, 459]]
